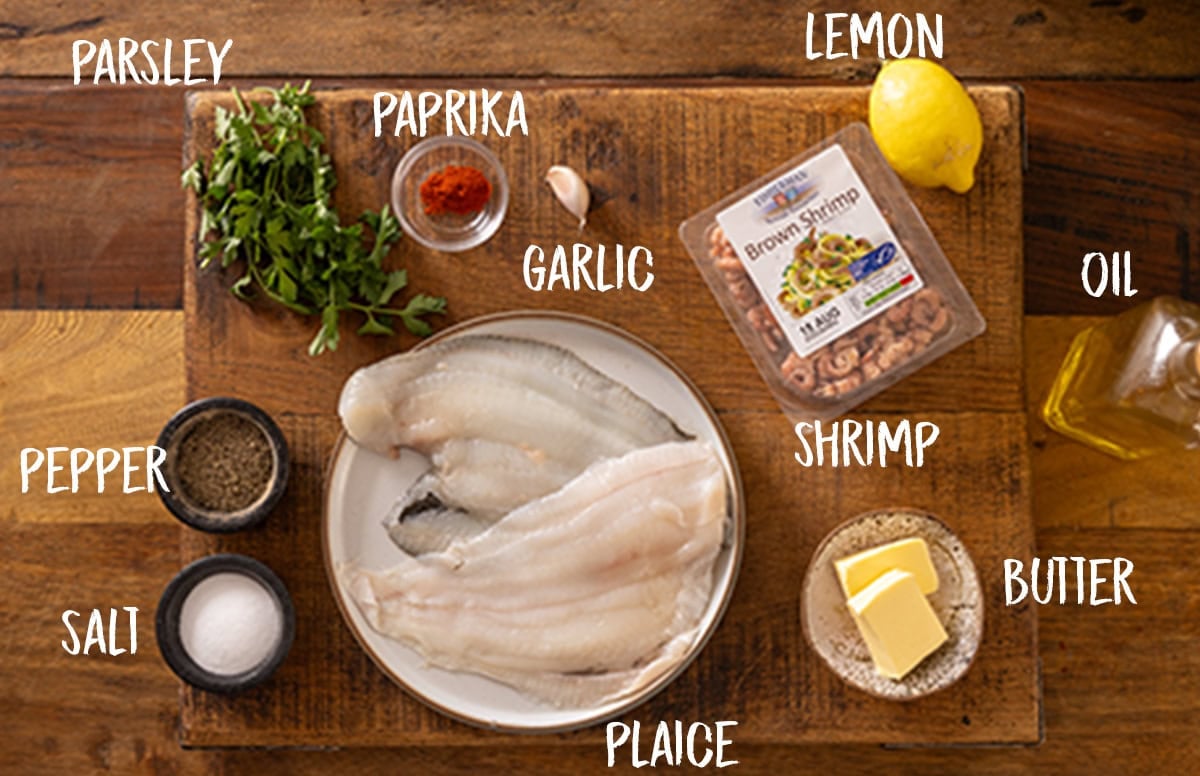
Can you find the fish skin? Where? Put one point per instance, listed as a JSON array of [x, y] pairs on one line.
[[428, 525], [472, 483], [504, 420], [579, 598]]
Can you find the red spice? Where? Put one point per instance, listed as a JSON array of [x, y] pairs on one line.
[[460, 190]]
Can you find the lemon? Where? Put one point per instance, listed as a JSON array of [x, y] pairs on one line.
[[926, 124]]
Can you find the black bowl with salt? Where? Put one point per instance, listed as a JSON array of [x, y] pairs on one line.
[[225, 623], [226, 464]]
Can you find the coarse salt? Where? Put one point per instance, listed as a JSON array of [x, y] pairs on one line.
[[230, 623]]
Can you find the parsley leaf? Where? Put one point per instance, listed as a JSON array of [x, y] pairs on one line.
[[266, 198]]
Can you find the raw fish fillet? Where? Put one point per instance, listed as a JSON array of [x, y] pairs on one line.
[[581, 597], [472, 483], [504, 420]]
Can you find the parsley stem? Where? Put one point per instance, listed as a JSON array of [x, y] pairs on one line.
[[267, 198]]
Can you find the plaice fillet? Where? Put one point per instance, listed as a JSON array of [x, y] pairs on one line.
[[577, 598], [504, 421]]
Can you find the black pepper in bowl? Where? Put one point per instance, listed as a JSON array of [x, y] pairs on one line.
[[225, 462], [226, 466]]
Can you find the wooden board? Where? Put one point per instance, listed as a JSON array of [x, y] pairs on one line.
[[657, 156], [1122, 684], [1005, 38]]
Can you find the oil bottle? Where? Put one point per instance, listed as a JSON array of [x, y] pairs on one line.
[[1131, 386]]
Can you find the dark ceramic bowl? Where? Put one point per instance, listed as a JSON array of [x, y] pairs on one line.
[[170, 643], [187, 509]]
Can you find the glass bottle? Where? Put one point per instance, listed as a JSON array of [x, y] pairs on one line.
[[1131, 386]]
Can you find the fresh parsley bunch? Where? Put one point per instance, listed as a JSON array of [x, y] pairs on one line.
[[266, 201]]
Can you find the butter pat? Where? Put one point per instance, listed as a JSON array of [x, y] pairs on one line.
[[911, 555], [897, 623]]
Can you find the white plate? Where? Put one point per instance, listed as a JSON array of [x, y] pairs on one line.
[[361, 487]]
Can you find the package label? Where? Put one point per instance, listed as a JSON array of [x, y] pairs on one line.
[[819, 250]]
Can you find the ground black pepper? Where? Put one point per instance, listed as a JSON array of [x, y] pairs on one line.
[[224, 463]]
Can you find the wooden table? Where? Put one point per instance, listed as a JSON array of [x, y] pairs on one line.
[[1112, 166]]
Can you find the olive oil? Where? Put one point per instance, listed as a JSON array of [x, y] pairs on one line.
[[1131, 386]]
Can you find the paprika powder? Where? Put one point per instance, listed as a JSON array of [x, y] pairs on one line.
[[461, 190]]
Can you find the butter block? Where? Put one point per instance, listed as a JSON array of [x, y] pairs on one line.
[[897, 623], [911, 555]]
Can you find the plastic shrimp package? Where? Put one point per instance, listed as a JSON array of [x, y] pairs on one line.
[[831, 278]]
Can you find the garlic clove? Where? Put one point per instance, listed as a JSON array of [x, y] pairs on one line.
[[571, 190]]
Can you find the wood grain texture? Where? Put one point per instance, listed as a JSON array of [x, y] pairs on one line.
[[1007, 39], [1114, 172], [613, 136], [105, 399], [1120, 684], [1112, 166], [1121, 692], [757, 669], [1111, 706], [90, 197]]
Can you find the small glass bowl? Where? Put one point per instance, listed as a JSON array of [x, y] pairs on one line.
[[448, 231]]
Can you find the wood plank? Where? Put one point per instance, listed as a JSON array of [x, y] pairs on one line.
[[91, 391], [639, 167], [1109, 701], [101, 378], [1120, 684], [1078, 195], [91, 196], [1113, 172], [1007, 39], [95, 712]]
